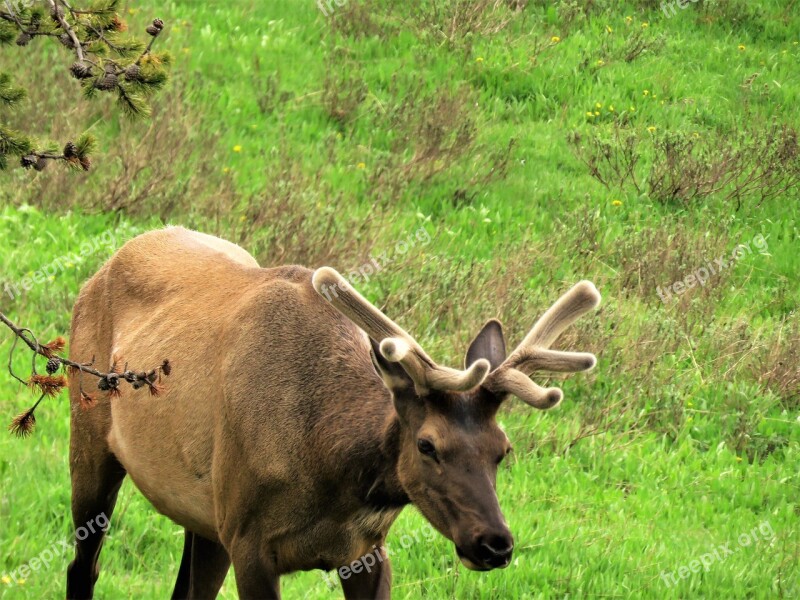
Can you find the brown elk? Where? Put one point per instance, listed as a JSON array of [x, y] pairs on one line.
[[298, 422]]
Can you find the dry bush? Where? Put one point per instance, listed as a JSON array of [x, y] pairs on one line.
[[343, 92], [761, 164], [731, 14], [641, 42], [434, 141], [458, 23], [652, 257], [362, 18], [297, 217], [776, 364], [267, 87], [612, 158]]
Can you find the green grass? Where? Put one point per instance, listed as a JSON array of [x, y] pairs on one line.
[[306, 141]]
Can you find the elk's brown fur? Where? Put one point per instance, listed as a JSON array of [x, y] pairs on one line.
[[288, 438]]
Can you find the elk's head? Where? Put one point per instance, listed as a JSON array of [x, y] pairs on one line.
[[450, 444]]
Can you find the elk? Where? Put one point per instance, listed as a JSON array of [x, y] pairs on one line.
[[298, 421]]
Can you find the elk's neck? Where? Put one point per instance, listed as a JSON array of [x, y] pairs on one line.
[[382, 489]]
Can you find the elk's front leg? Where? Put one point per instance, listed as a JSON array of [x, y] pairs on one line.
[[256, 574], [369, 578]]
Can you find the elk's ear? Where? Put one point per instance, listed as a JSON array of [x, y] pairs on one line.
[[394, 376], [489, 344]]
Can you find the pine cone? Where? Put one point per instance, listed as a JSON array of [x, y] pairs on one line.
[[80, 70], [70, 150], [40, 164], [133, 72], [86, 163], [66, 40], [107, 82], [56, 12], [155, 27], [53, 365], [28, 160], [24, 38]]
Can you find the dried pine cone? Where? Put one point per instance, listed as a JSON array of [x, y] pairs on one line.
[[40, 164], [70, 150], [66, 40], [28, 160], [53, 365], [80, 70], [24, 38], [133, 72], [56, 12], [107, 82], [155, 27]]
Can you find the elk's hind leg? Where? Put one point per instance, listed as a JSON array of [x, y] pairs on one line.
[[204, 565], [96, 479]]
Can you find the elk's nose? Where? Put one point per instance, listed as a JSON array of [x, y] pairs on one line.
[[495, 550]]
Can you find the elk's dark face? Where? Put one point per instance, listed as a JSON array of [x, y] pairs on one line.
[[450, 449]]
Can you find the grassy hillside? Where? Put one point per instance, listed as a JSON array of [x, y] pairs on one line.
[[488, 155]]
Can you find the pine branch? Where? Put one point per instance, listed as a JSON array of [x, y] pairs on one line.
[[51, 384], [59, 15], [135, 74]]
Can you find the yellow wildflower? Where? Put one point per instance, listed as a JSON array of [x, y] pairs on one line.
[[597, 113], [226, 169], [651, 129], [555, 39], [741, 47], [610, 108], [608, 29], [628, 20], [646, 93], [645, 24], [601, 62], [361, 165], [589, 114], [6, 579], [632, 109], [479, 59], [237, 148], [598, 105], [616, 203]]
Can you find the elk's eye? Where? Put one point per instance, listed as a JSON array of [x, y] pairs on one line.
[[427, 448], [502, 456]]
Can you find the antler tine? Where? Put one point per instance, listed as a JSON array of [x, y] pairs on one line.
[[396, 345], [533, 354]]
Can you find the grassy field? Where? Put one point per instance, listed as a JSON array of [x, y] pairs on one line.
[[492, 154]]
